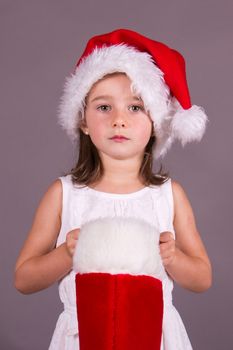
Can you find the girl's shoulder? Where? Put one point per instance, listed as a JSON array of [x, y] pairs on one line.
[[175, 194], [171, 185], [65, 179], [66, 182], [178, 191], [181, 203], [165, 187]]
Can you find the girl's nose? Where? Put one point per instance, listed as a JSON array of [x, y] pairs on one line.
[[119, 120], [122, 124]]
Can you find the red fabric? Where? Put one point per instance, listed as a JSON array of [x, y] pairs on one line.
[[170, 61], [119, 312]]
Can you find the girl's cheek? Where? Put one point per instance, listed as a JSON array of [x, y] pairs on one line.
[[144, 136]]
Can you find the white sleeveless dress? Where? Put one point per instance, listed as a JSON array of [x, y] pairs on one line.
[[152, 204]]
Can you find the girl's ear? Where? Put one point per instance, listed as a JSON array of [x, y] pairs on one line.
[[84, 130], [83, 126]]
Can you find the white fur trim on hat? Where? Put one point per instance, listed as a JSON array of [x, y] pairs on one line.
[[147, 81]]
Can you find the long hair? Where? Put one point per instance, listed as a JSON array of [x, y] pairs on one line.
[[89, 168]]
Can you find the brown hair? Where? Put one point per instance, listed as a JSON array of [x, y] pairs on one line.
[[89, 168]]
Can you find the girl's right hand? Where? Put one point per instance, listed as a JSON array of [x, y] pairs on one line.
[[71, 241]]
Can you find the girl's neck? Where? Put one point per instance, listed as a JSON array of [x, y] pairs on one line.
[[120, 175], [121, 171]]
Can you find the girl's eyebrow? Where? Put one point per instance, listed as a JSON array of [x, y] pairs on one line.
[[108, 97], [101, 97]]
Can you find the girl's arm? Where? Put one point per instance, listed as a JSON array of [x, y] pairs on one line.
[[40, 264], [185, 258]]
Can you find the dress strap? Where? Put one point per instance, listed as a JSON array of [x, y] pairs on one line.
[[66, 189], [65, 181], [169, 195], [164, 208]]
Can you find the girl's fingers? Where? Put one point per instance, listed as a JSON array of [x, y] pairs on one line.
[[76, 233], [73, 234], [165, 236], [167, 245], [167, 251], [167, 254], [71, 240]]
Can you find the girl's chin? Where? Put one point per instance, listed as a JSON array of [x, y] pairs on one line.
[[120, 156]]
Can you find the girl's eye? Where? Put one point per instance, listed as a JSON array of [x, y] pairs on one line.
[[136, 108], [104, 108]]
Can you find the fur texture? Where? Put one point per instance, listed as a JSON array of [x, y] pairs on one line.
[[189, 125], [147, 81], [118, 245]]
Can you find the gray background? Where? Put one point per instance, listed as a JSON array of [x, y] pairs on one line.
[[40, 43]]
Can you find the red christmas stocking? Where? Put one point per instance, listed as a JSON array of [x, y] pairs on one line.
[[119, 312]]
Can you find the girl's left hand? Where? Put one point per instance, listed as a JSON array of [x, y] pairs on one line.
[[167, 248]]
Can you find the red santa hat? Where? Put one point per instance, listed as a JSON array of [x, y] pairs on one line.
[[119, 285], [158, 75]]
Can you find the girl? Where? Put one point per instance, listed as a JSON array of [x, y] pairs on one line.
[[125, 104]]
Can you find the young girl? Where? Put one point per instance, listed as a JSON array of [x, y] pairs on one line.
[[125, 104]]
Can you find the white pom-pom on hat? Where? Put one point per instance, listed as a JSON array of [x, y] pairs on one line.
[[188, 125]]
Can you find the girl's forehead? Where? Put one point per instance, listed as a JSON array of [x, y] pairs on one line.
[[116, 76], [109, 97], [114, 82]]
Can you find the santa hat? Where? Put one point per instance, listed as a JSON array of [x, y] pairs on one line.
[[158, 75], [119, 285]]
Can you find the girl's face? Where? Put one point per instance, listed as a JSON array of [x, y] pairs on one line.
[[112, 109]]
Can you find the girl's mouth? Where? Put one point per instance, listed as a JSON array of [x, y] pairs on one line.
[[119, 138]]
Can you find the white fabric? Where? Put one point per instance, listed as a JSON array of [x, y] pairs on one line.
[[119, 245], [81, 205]]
